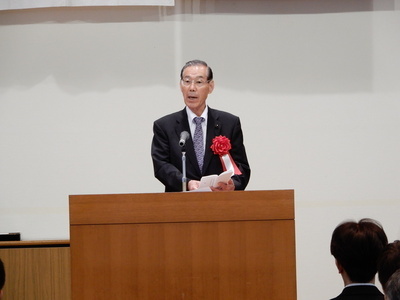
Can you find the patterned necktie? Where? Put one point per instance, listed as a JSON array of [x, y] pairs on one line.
[[198, 141]]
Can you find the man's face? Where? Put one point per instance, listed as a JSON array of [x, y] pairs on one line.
[[195, 88]]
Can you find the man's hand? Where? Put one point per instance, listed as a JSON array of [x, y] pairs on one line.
[[222, 186], [193, 185]]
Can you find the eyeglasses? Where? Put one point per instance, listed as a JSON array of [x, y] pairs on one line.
[[198, 82]]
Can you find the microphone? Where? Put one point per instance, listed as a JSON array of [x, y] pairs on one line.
[[183, 138]]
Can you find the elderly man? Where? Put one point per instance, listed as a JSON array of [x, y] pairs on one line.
[[206, 126]]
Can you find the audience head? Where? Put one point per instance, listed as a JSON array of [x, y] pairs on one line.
[[389, 262], [356, 247], [2, 277], [392, 291]]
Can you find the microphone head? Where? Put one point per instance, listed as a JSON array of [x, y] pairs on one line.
[[183, 138]]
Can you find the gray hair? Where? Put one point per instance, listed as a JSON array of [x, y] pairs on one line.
[[197, 62]]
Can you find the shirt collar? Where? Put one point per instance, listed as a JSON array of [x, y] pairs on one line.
[[358, 284], [192, 115]]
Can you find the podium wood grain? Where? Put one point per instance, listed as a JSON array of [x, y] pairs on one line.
[[233, 245]]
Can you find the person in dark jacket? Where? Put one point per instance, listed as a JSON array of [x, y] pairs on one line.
[[357, 247], [201, 160]]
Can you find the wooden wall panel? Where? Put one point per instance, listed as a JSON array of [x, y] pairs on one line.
[[36, 271]]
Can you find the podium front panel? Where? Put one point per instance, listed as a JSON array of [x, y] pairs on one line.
[[242, 258]]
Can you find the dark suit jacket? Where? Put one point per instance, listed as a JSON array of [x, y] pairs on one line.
[[167, 154], [360, 292]]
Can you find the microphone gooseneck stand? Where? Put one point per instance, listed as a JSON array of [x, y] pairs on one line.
[[183, 171], [184, 136]]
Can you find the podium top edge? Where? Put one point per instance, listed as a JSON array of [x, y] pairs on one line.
[[181, 207], [176, 193]]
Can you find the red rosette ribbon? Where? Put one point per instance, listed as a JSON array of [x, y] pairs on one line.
[[221, 146]]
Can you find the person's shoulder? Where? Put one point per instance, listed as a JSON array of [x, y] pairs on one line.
[[222, 114], [169, 117], [342, 295], [339, 297], [360, 291]]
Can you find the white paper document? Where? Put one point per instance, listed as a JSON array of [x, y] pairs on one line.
[[213, 180]]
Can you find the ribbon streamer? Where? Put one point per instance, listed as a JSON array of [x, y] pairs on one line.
[[229, 164]]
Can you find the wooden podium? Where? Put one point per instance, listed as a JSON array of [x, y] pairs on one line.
[[204, 245]]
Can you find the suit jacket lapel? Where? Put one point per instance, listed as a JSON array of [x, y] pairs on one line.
[[213, 130], [183, 125]]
